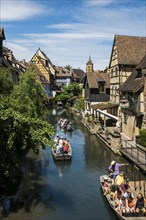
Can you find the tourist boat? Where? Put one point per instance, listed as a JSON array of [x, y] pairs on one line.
[[62, 156], [66, 125], [118, 214]]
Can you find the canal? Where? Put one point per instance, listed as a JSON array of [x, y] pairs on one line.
[[65, 190]]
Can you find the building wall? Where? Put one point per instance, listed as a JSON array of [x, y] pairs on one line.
[[118, 75], [129, 128], [41, 66]]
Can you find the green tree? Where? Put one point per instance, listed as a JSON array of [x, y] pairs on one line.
[[80, 104], [6, 83], [29, 97], [69, 92], [68, 67], [23, 125]]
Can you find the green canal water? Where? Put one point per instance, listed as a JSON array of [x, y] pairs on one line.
[[63, 190]]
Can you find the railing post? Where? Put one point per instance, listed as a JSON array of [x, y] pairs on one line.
[[138, 154]]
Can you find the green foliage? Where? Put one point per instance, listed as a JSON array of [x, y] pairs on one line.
[[80, 104], [6, 83], [68, 67], [23, 125], [69, 92], [142, 137], [29, 97]]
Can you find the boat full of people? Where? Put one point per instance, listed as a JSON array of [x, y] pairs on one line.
[[62, 149], [65, 124], [124, 201]]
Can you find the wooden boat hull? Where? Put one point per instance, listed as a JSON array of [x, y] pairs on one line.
[[117, 213]]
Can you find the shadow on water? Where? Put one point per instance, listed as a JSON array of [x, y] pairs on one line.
[[65, 190], [35, 193]]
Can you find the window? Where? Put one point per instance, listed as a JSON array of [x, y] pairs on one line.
[[111, 72], [101, 87], [125, 118], [116, 71]]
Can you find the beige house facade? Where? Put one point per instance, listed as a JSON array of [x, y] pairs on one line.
[[127, 51], [132, 102]]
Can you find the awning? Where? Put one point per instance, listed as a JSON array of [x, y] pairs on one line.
[[104, 106]]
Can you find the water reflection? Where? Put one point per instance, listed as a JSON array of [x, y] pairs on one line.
[[65, 190]]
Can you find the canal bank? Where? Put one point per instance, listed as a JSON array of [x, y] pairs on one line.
[[108, 138], [118, 143], [65, 190]]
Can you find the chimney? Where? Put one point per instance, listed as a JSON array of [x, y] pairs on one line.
[[2, 37]]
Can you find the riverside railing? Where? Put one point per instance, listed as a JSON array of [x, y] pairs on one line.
[[135, 153]]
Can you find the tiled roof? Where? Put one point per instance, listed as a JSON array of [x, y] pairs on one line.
[[142, 64], [77, 73], [95, 77], [130, 49], [134, 82], [10, 61]]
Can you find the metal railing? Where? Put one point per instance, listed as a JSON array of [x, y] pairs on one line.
[[137, 177], [135, 153]]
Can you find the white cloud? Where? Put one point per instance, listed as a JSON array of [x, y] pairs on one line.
[[19, 10], [90, 31]]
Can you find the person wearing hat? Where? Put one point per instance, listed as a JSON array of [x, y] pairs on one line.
[[106, 185], [114, 168]]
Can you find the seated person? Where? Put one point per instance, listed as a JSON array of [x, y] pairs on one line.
[[118, 195], [125, 186], [119, 179], [122, 205], [65, 149], [140, 206], [112, 192], [131, 204], [106, 185], [128, 194]]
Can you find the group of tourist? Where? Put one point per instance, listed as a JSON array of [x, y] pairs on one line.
[[64, 123], [62, 145], [116, 186]]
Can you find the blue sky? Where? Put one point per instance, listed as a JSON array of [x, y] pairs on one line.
[[68, 31]]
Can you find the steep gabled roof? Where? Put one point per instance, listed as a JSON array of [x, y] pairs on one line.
[[94, 78], [134, 82], [142, 64], [130, 49], [78, 73]]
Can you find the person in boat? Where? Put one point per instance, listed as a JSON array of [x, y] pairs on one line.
[[106, 185], [131, 203], [56, 139], [112, 192], [118, 195], [122, 208], [125, 186], [61, 144], [58, 149], [119, 180], [140, 206], [114, 168]]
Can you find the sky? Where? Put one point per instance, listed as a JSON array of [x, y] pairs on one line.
[[69, 31]]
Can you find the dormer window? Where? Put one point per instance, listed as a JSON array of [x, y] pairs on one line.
[[139, 75], [101, 87]]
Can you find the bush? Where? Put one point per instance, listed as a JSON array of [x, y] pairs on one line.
[[142, 137]]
